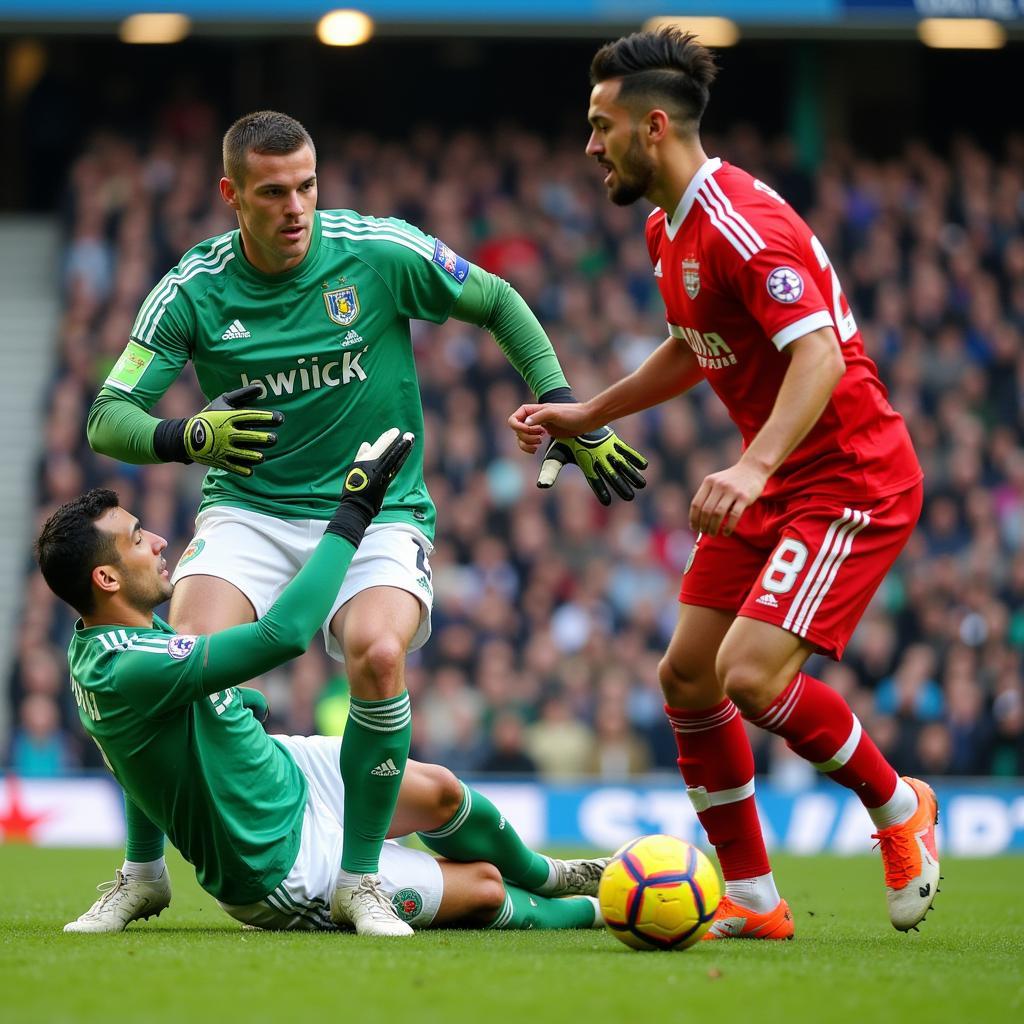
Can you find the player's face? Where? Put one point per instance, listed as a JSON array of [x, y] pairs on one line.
[[141, 570], [615, 144], [275, 205]]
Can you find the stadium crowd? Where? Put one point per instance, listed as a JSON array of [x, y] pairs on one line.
[[551, 611]]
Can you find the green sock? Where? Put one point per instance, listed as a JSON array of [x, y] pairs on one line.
[[143, 840], [478, 831], [374, 750], [523, 910]]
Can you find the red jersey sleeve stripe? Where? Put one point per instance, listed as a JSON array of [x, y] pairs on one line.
[[729, 228], [732, 213]]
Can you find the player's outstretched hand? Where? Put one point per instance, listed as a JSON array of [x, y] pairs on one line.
[[225, 434], [367, 481], [605, 459]]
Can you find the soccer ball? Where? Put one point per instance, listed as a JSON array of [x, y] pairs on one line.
[[659, 892]]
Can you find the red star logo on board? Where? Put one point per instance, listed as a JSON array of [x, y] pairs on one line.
[[18, 825]]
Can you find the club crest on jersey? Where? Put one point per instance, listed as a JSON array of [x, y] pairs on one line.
[[691, 277], [179, 647], [342, 305], [785, 285]]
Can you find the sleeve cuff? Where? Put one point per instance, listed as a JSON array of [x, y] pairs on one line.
[[813, 322]]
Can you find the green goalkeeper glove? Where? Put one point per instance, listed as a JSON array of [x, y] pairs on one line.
[[221, 435], [605, 459]]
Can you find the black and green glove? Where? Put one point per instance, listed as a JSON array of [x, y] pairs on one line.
[[367, 481], [222, 435], [605, 459]]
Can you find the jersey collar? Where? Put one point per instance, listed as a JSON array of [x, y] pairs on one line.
[[673, 224]]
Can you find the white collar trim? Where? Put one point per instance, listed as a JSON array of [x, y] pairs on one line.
[[706, 169]]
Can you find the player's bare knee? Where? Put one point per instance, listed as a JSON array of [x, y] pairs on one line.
[[376, 668], [685, 688], [449, 793], [745, 685]]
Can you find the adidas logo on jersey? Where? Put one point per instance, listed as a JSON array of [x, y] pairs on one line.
[[352, 338], [386, 768], [657, 269], [236, 329], [767, 599]]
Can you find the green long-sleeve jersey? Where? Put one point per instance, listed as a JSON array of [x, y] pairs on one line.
[[327, 342], [165, 713]]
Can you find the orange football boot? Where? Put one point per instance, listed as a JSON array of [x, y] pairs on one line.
[[735, 922], [910, 860]]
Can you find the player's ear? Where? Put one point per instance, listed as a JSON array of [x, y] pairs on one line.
[[106, 578], [229, 193], [656, 125]]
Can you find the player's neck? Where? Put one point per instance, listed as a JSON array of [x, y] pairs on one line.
[[678, 166], [117, 613]]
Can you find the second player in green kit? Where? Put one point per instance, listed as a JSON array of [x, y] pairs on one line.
[[305, 314]]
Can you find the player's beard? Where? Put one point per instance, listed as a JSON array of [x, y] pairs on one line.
[[635, 175], [145, 595]]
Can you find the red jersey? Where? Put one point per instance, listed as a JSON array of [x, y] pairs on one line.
[[742, 276]]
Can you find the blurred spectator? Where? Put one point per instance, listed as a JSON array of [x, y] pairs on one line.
[[551, 611]]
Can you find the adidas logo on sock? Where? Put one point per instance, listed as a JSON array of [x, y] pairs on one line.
[[386, 768], [767, 599], [236, 329]]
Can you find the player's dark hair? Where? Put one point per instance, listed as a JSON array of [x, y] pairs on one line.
[[70, 546], [263, 131], [666, 68]]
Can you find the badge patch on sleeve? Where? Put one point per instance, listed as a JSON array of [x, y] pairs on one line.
[[785, 285], [130, 367], [179, 647], [450, 261]]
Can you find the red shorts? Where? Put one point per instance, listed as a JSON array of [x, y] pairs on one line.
[[807, 565]]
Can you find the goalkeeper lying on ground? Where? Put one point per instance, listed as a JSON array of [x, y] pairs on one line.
[[260, 818]]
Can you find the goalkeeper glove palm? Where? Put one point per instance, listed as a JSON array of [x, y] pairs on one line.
[[223, 435]]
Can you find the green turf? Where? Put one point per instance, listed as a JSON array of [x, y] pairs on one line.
[[194, 964]]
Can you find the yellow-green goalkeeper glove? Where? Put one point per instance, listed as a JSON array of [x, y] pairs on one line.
[[222, 435], [606, 461]]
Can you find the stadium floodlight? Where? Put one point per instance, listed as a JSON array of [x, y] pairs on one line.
[[154, 28], [344, 28], [709, 31], [961, 33]]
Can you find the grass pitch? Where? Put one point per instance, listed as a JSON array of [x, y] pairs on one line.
[[194, 964]]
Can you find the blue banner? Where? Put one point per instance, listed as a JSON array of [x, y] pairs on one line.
[[976, 820], [1000, 10]]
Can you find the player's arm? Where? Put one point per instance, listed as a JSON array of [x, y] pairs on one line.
[[607, 462], [816, 365], [156, 682], [668, 371]]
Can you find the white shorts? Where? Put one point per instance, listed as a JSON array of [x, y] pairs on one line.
[[259, 554], [302, 901]]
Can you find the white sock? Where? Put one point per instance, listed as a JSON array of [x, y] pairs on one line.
[[143, 870], [758, 894], [348, 877], [898, 808], [549, 885]]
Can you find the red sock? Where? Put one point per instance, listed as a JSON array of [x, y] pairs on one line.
[[818, 725], [717, 765]]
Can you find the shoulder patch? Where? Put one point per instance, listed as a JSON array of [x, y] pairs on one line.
[[785, 285], [179, 647], [130, 366], [450, 261]]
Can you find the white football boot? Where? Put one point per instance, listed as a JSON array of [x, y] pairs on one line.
[[367, 908], [574, 877], [124, 900]]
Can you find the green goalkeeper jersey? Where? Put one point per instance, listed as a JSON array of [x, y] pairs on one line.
[[328, 342], [165, 712]]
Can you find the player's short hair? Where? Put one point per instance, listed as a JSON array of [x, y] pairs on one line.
[[263, 131], [70, 546], [666, 68]]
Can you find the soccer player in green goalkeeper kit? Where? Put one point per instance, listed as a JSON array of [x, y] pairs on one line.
[[262, 818], [305, 314]]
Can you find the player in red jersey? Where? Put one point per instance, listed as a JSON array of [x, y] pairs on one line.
[[794, 538]]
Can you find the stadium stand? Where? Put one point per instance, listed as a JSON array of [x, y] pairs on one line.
[[544, 653]]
